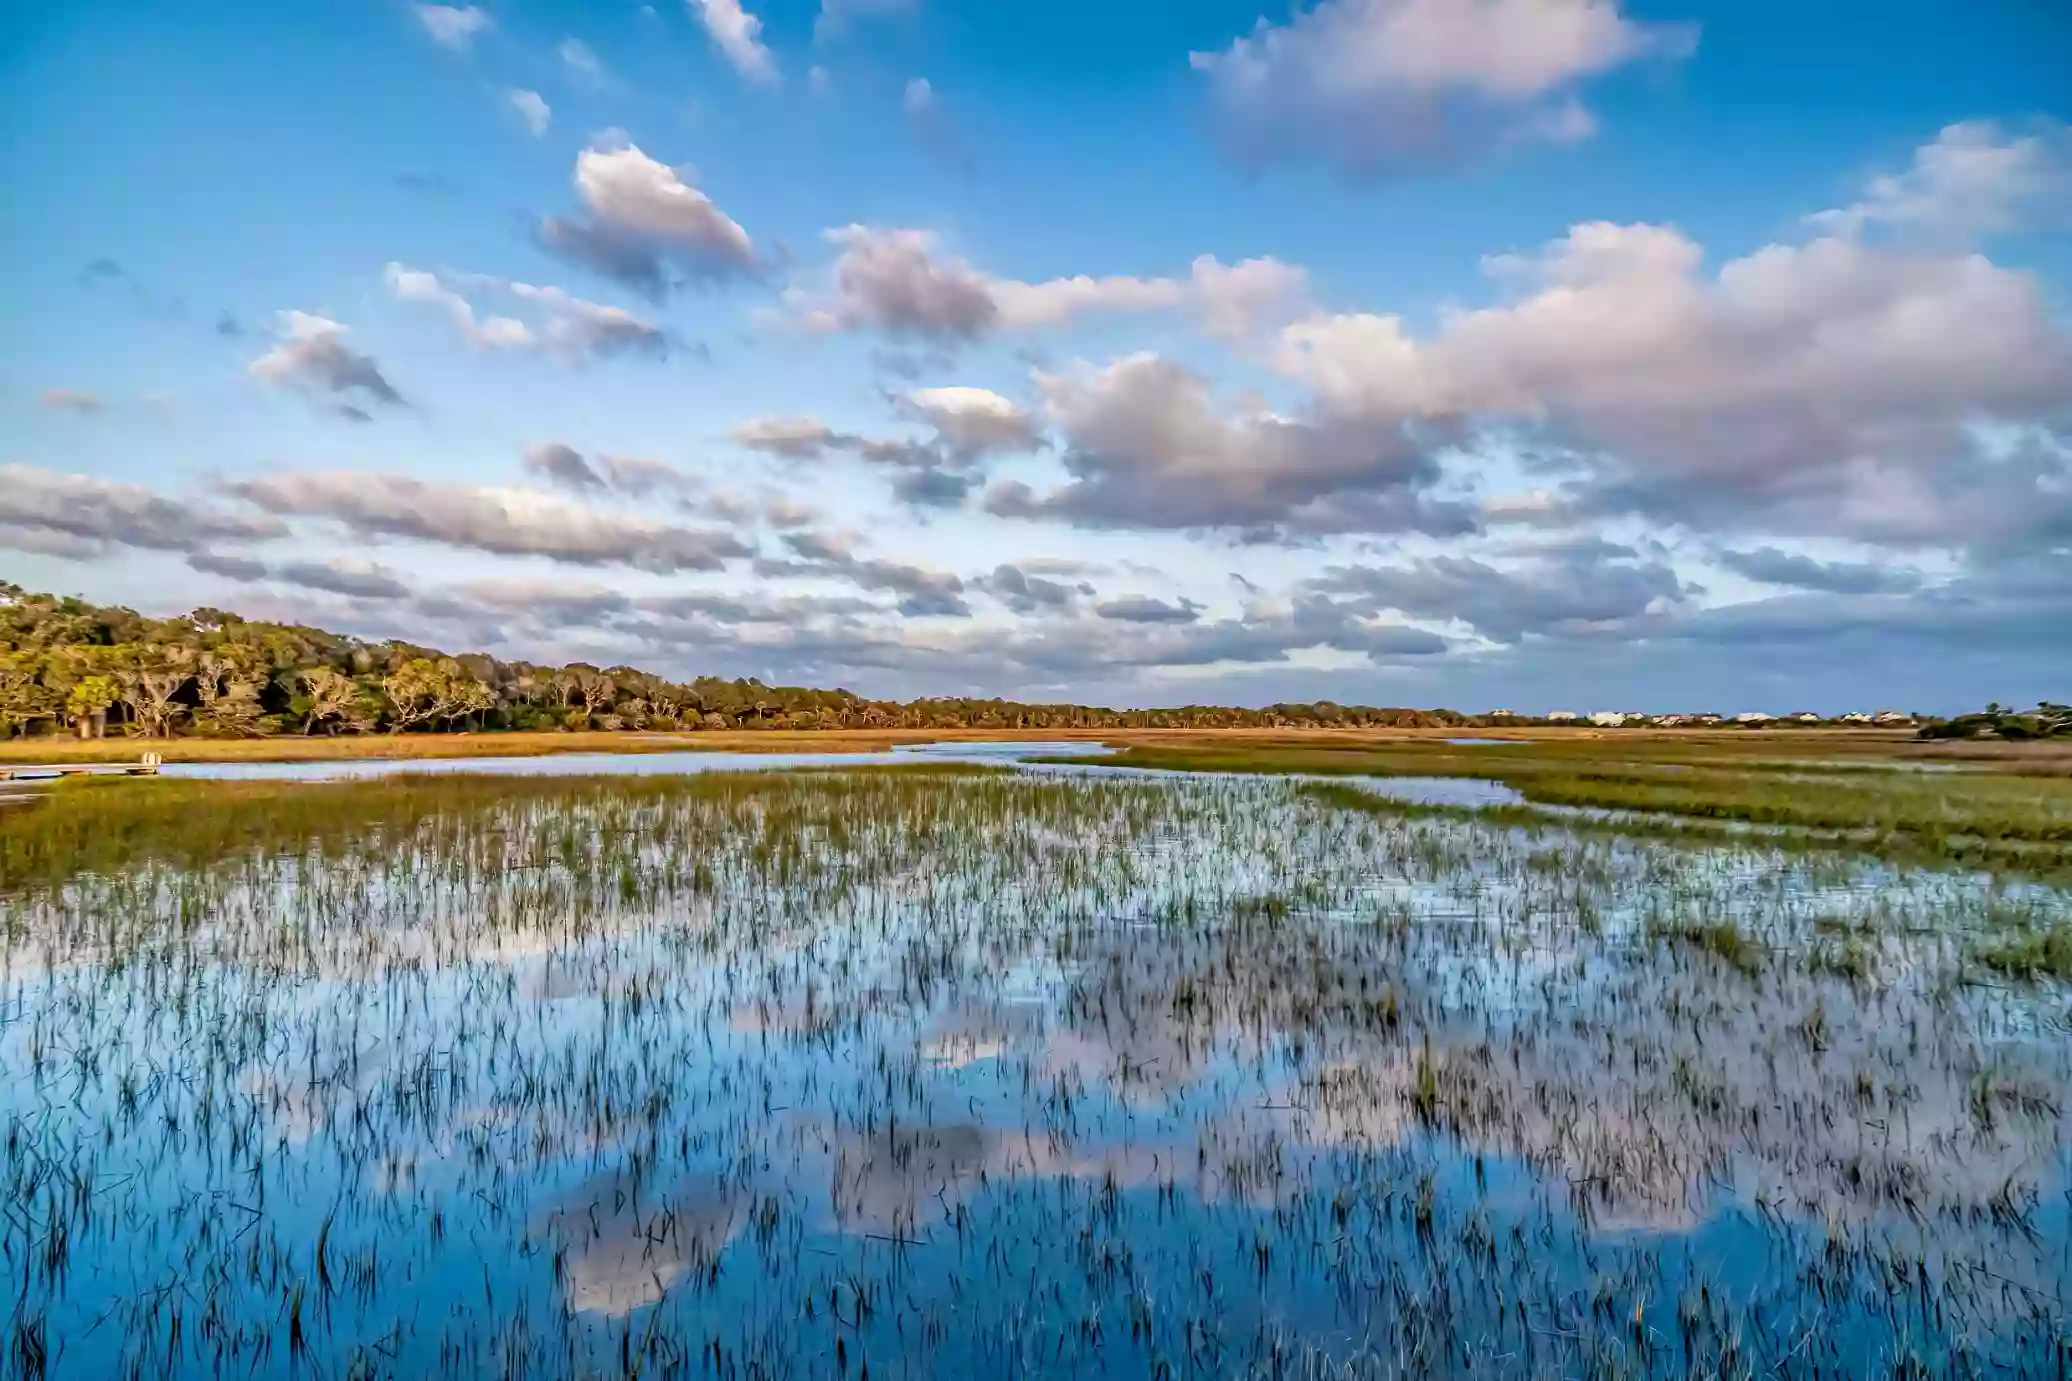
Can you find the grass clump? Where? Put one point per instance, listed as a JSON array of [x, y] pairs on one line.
[[1725, 940], [2032, 954]]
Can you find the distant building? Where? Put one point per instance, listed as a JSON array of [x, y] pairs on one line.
[[1753, 717], [1501, 714], [1892, 717], [1856, 717], [1607, 719], [1806, 717], [1563, 716]]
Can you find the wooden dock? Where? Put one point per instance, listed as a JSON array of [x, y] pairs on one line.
[[47, 771]]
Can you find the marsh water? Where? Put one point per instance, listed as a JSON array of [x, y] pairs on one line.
[[660, 764], [948, 1072]]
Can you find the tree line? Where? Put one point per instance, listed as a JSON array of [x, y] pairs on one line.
[[67, 665], [2048, 720]]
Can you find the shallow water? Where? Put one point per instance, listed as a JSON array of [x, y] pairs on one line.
[[621, 764], [1048, 1074]]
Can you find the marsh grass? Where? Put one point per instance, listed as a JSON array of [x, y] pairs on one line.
[[947, 1071], [2043, 952], [1958, 815]]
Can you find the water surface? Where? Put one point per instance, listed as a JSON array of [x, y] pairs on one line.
[[1046, 1074]]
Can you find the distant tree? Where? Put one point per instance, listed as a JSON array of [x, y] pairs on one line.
[[226, 691], [334, 700], [89, 697], [426, 690], [150, 684], [24, 698]]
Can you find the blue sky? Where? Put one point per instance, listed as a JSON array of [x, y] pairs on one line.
[[1467, 352]]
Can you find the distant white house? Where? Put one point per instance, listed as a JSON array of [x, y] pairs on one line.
[[1806, 717], [1563, 715], [1607, 719], [1856, 717], [1501, 714], [1892, 717], [1753, 717]]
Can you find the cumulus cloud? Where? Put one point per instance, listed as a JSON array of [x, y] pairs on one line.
[[452, 26], [1025, 591], [970, 422], [738, 36], [1561, 588], [900, 283], [1771, 566], [1373, 86], [1829, 387], [103, 513], [505, 522], [494, 333], [568, 326], [310, 354], [532, 108], [1147, 446], [643, 220], [1973, 178], [71, 400]]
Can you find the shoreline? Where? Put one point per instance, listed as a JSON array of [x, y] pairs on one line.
[[515, 743]]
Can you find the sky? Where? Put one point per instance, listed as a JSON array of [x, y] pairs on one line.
[[1524, 354]]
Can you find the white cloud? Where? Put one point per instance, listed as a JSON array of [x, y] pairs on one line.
[[643, 214], [972, 421], [495, 333], [452, 26], [74, 515], [1973, 178], [738, 36], [570, 326], [532, 109], [1147, 445], [1371, 85], [311, 355], [799, 438], [1235, 300], [1824, 386], [899, 282], [502, 521]]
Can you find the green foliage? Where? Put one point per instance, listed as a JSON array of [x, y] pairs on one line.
[[2048, 720], [213, 674]]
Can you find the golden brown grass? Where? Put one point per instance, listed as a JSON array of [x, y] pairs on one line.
[[1307, 749]]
